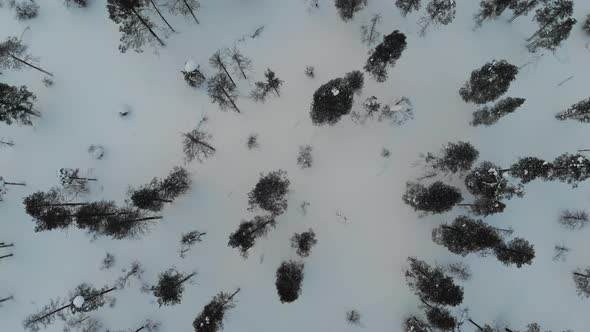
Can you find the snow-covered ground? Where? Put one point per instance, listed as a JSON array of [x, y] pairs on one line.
[[358, 262]]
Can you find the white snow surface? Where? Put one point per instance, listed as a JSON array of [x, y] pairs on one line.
[[190, 65], [78, 301], [356, 264]]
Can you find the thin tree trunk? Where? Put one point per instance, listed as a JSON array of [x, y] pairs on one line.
[[564, 81], [2, 245], [428, 304], [5, 256], [226, 301], [30, 65], [143, 219], [85, 179], [502, 230], [508, 330], [141, 328], [33, 113], [240, 66], [474, 323], [163, 200], [277, 91], [63, 204], [147, 26], [225, 70], [190, 10], [231, 100], [49, 314], [465, 204], [15, 183], [186, 278], [539, 31], [6, 299], [196, 141], [161, 16], [583, 150], [582, 275]]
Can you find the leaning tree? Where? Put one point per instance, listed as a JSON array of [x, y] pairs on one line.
[[466, 235], [210, 319], [134, 24], [331, 101], [240, 63], [170, 286], [579, 111], [245, 236], [436, 198], [385, 55], [219, 61], [263, 88], [13, 55], [222, 92], [555, 24], [369, 31], [488, 116], [270, 193], [289, 278], [196, 143], [17, 105], [489, 82]]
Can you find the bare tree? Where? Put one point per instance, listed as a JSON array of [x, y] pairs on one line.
[[240, 62], [223, 92], [160, 14], [13, 55], [370, 35], [196, 143], [218, 61], [560, 252], [574, 219], [184, 7]]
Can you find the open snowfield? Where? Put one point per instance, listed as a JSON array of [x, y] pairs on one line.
[[358, 263]]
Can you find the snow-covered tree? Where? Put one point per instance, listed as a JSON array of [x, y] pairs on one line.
[[193, 75], [574, 219], [385, 54], [134, 24], [223, 92], [170, 286], [524, 7], [17, 105], [518, 251], [484, 206], [347, 8], [487, 180], [210, 319], [570, 168], [196, 143], [414, 324], [331, 101], [436, 198], [240, 63], [25, 9], [528, 169], [153, 195], [399, 113], [489, 9], [270, 193], [262, 88], [582, 280], [13, 55], [184, 7], [550, 38], [305, 159], [489, 82], [303, 242], [245, 236], [488, 116], [579, 111], [408, 6], [438, 12], [187, 240], [466, 235], [431, 284], [289, 279], [453, 158], [72, 182], [555, 23], [369, 31], [50, 210], [219, 61]]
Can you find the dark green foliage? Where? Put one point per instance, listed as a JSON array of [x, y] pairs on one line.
[[432, 285], [289, 278], [347, 8], [408, 6], [582, 281], [579, 112], [16, 105], [518, 252], [486, 180], [385, 54], [245, 236], [551, 38], [488, 116], [454, 158], [262, 88], [441, 319], [211, 318], [356, 80], [413, 324], [438, 12], [170, 287], [93, 215], [303, 242], [153, 195], [484, 206], [49, 210], [555, 24], [571, 169], [135, 27], [436, 198], [465, 236], [528, 169], [269, 193], [489, 82], [331, 101], [493, 8]]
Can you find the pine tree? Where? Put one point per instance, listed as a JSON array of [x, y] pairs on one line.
[[436, 198], [413, 324], [72, 182], [438, 12], [528, 169], [134, 25], [582, 281], [194, 77], [128, 222], [579, 112], [570, 168], [489, 82], [453, 158], [555, 24], [484, 206], [184, 7], [50, 210], [196, 144], [78, 3], [551, 37], [486, 180], [177, 183], [441, 318], [369, 30], [170, 287], [269, 193], [331, 101], [385, 54], [347, 8], [574, 219], [488, 116], [303, 242], [25, 10], [289, 278], [262, 88], [222, 92], [187, 240], [16, 105], [492, 8], [211, 318], [13, 55], [524, 7], [431, 284], [92, 216], [241, 63], [465, 236], [245, 236], [148, 197], [518, 252], [408, 6], [356, 80]]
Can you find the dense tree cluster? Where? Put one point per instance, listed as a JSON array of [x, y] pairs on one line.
[[489, 82], [134, 24], [155, 194], [438, 12], [555, 24], [289, 278], [17, 105], [331, 101], [170, 286], [385, 54], [211, 317], [436, 198]]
